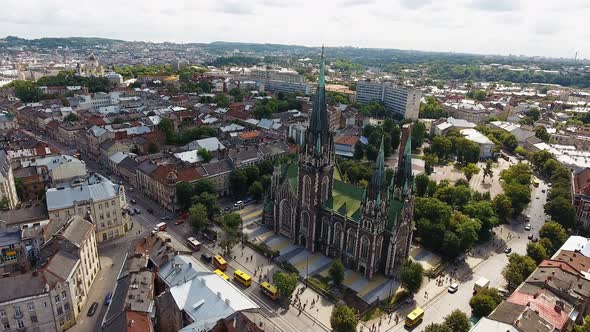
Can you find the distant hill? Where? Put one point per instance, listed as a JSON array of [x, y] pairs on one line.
[[51, 43]]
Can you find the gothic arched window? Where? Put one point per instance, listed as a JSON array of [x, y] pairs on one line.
[[337, 234], [325, 188], [306, 189], [304, 220], [364, 248], [351, 241], [379, 249], [325, 227], [285, 215]]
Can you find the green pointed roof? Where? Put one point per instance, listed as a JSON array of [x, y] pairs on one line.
[[346, 200], [319, 116], [378, 180]]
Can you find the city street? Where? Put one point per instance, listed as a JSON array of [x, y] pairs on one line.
[[486, 260]]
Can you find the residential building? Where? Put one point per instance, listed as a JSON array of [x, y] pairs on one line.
[[297, 133], [470, 110], [581, 194], [158, 182], [68, 132], [69, 263], [8, 193], [8, 121], [26, 304], [13, 255], [196, 298], [442, 127], [486, 146], [345, 145], [521, 134], [218, 173], [105, 200], [398, 100], [57, 170]]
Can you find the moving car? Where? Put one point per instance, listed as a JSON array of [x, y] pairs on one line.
[[453, 287], [507, 250], [527, 227], [92, 309], [168, 217]]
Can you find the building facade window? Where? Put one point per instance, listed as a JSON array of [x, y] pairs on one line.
[[56, 298], [20, 323], [31, 306], [64, 295], [6, 325]]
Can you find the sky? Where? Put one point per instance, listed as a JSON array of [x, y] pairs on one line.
[[554, 28]]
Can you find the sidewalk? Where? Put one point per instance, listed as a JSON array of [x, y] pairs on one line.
[[260, 267]]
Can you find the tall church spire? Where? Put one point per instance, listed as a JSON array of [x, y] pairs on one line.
[[377, 184], [319, 115]]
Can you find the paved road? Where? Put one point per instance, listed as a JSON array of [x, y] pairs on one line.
[[440, 303]]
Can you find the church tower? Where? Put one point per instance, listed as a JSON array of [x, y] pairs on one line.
[[374, 220], [316, 168]]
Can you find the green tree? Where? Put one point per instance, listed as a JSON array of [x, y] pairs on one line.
[[255, 190], [429, 161], [204, 186], [585, 327], [184, 195], [485, 301], [4, 203], [232, 221], [343, 319], [518, 269], [555, 233], [209, 201], [435, 327], [488, 171], [71, 117], [285, 282], [520, 196], [337, 271], [26, 91], [510, 142], [359, 151], [562, 211], [198, 217], [238, 182], [484, 212], [167, 127], [458, 321], [503, 207], [20, 188], [418, 134], [536, 251], [541, 133], [205, 154], [470, 170], [422, 182], [371, 152], [411, 276], [221, 100], [441, 146]]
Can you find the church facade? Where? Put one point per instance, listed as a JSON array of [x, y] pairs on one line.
[[369, 229]]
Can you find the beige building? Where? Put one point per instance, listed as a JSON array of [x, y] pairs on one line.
[[70, 267], [105, 200], [8, 194], [25, 304]]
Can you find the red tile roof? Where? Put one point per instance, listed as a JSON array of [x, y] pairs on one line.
[[544, 304], [347, 140], [250, 134]]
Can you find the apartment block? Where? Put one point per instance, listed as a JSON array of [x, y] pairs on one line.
[[398, 100]]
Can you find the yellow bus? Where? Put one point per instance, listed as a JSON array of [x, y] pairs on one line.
[[415, 317], [269, 290], [219, 262], [222, 275], [535, 182], [242, 278]]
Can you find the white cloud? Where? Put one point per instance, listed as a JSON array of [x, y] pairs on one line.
[[478, 26]]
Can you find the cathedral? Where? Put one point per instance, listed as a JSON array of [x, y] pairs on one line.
[[369, 229]]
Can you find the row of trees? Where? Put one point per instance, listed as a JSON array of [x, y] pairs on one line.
[[186, 135], [559, 205], [432, 109], [451, 219], [456, 321], [251, 180], [389, 132], [265, 108]]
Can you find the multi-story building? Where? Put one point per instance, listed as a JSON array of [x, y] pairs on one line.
[[105, 200], [398, 100], [13, 256], [67, 132], [69, 263], [56, 170], [26, 305], [7, 121], [8, 195], [581, 189], [277, 80]]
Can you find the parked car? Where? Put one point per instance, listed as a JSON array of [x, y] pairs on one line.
[[166, 217], [206, 257], [133, 201], [507, 250], [227, 208], [136, 210], [530, 236], [453, 287], [179, 222], [238, 204], [150, 210], [527, 227], [92, 309], [108, 298], [543, 191]]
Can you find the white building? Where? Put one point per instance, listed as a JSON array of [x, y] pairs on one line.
[[486, 146], [399, 100], [58, 169], [105, 200]]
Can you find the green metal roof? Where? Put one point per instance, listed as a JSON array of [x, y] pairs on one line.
[[346, 200], [290, 172], [395, 209]]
